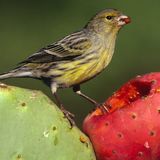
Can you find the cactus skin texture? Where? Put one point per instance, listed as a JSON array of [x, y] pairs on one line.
[[131, 131], [33, 128]]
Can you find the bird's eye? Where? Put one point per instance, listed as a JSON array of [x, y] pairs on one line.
[[109, 17]]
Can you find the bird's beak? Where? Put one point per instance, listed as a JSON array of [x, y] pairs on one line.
[[123, 19]]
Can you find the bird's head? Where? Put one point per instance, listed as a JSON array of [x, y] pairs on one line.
[[107, 21]]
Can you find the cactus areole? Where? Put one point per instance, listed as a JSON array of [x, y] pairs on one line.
[[131, 130]]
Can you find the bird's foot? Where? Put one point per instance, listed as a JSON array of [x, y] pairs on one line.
[[70, 116], [104, 108]]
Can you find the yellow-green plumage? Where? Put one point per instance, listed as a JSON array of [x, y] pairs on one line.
[[77, 57], [82, 70]]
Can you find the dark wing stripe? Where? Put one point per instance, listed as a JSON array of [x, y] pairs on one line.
[[79, 44], [46, 58]]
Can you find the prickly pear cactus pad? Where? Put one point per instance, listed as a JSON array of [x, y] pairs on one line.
[[33, 128]]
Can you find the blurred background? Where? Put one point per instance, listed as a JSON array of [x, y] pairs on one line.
[[27, 26]]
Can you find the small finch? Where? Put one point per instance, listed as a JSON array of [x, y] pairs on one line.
[[77, 57]]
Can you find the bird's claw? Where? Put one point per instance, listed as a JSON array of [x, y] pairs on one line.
[[104, 108], [70, 116]]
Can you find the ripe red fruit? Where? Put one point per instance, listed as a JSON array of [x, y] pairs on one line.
[[131, 130]]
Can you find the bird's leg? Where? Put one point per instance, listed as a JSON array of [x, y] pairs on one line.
[[66, 113], [77, 90]]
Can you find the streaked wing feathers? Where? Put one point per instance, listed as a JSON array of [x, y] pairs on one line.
[[68, 48]]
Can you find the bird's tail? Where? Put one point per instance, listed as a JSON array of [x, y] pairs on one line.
[[18, 72]]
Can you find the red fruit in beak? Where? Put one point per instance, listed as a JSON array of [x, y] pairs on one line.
[[126, 20], [122, 20], [131, 130]]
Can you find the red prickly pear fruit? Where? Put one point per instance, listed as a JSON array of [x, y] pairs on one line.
[[131, 128]]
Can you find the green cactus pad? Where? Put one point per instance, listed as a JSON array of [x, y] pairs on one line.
[[33, 128]]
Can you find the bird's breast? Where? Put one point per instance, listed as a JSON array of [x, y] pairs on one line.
[[86, 67]]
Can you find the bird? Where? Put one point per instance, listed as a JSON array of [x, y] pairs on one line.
[[76, 58]]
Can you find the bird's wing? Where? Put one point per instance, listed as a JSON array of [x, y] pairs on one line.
[[68, 48]]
